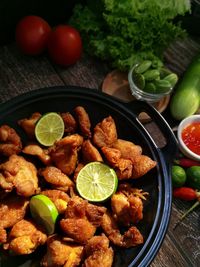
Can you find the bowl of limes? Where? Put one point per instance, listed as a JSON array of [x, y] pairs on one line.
[[150, 82]]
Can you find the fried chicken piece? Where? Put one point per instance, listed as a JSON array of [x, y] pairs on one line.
[[65, 153], [112, 155], [12, 210], [123, 167], [105, 133], [61, 253], [128, 149], [83, 121], [70, 123], [132, 237], [20, 174], [142, 164], [10, 142], [90, 152], [81, 219], [36, 150], [56, 178], [127, 205], [59, 198], [77, 170], [25, 237], [98, 253], [28, 125]]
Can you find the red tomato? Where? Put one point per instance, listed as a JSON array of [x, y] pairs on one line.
[[65, 45], [31, 34]]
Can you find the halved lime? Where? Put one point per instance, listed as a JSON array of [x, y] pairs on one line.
[[49, 128], [44, 212], [96, 182]]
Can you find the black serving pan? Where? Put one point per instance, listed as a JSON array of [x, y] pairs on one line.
[[157, 182]]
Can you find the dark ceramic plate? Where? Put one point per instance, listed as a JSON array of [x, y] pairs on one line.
[[157, 182]]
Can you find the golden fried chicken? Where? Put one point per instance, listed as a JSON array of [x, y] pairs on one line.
[[24, 237], [105, 133], [141, 165], [65, 153], [98, 253], [28, 124], [128, 149], [77, 170], [127, 205], [56, 178], [12, 210], [132, 237], [123, 167], [83, 121], [61, 253], [10, 142], [36, 150], [81, 219], [90, 152], [59, 198], [19, 174], [70, 123]]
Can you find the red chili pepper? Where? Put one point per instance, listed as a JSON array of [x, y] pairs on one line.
[[185, 193], [185, 162]]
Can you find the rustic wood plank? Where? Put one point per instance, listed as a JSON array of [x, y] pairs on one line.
[[87, 72], [20, 73]]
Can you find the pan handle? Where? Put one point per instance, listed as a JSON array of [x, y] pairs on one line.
[[170, 149]]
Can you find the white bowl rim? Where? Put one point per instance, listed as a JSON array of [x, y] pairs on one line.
[[185, 122]]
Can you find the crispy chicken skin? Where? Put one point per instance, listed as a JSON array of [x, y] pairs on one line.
[[12, 210], [10, 142], [123, 167], [142, 164], [61, 253], [25, 237], [20, 174], [36, 150], [128, 149], [77, 170], [70, 123], [59, 198], [132, 237], [56, 178], [105, 133], [90, 152], [28, 124], [83, 121], [98, 253], [127, 205], [65, 153], [81, 219]]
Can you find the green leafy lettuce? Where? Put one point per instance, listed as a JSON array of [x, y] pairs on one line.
[[127, 31]]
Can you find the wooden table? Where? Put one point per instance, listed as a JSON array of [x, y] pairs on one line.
[[20, 73]]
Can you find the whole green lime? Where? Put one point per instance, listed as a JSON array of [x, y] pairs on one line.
[[193, 177], [178, 176]]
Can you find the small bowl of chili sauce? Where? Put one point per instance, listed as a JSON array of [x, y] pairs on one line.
[[189, 137]]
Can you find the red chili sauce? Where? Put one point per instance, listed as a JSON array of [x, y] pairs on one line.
[[191, 137]]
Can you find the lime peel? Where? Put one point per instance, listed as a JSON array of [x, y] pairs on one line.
[[96, 182], [44, 211]]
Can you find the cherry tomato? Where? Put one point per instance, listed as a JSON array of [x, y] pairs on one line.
[[31, 34], [65, 45]]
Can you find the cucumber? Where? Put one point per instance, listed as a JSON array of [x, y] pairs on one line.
[[186, 99]]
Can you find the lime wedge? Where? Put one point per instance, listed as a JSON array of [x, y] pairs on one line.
[[96, 182], [49, 128], [44, 212]]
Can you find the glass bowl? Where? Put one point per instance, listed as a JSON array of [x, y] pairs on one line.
[[143, 95]]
